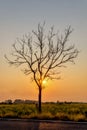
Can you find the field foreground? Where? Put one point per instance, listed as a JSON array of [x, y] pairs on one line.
[[50, 111]]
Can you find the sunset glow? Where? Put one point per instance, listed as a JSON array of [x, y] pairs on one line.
[[44, 82]]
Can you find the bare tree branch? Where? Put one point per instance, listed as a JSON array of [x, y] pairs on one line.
[[40, 63]]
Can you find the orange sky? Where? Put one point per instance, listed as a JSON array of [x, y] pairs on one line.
[[71, 87]]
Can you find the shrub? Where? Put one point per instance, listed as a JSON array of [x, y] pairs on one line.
[[78, 117], [62, 116]]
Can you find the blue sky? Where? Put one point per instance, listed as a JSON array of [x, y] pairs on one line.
[[18, 17]]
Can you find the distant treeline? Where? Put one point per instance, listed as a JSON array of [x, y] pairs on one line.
[[20, 101]]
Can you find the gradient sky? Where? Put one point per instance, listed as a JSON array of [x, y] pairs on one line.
[[18, 17]]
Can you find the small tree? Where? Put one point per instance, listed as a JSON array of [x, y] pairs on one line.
[[43, 55]]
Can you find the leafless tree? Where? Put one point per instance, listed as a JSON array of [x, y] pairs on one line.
[[43, 53]]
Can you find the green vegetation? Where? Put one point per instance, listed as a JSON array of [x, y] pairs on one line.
[[57, 111]]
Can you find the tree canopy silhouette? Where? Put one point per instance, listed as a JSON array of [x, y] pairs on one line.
[[43, 53]]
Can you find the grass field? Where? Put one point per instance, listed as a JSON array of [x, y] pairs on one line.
[[57, 111]]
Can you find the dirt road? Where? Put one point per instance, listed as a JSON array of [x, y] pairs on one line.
[[40, 125]]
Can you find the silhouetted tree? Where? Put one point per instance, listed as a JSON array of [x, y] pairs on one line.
[[43, 53]]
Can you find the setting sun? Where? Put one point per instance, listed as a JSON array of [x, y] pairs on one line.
[[44, 82]]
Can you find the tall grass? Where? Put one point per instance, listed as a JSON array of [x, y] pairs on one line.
[[64, 111]]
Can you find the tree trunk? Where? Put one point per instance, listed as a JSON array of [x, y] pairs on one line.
[[39, 100]]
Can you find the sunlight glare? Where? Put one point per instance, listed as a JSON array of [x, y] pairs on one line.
[[44, 82]]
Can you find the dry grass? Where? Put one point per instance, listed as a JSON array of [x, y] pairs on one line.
[[64, 111]]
